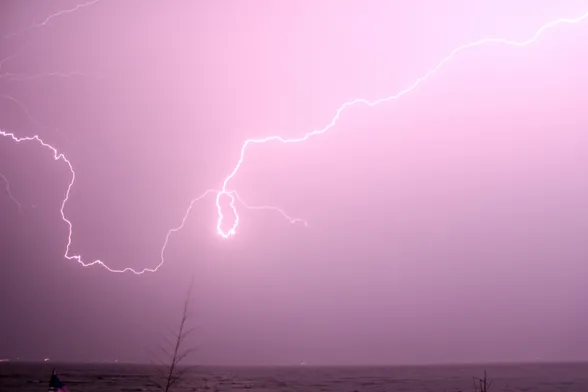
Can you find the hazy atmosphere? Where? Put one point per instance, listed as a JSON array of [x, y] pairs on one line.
[[448, 225]]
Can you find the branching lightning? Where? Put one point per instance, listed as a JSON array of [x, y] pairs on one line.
[[15, 77], [3, 61], [60, 157], [53, 16], [268, 208], [9, 193], [232, 195], [24, 109], [232, 230]]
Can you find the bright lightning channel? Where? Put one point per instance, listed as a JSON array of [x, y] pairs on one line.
[[232, 195]]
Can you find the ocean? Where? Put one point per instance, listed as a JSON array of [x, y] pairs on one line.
[[23, 377]]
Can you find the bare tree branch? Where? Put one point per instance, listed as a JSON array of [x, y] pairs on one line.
[[482, 384], [175, 353]]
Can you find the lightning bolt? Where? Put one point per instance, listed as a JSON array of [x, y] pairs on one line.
[[9, 193], [53, 16], [6, 59], [14, 77], [232, 230], [233, 195], [270, 208], [78, 258], [28, 114]]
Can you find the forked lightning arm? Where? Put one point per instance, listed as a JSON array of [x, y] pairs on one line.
[[9, 193], [232, 196], [53, 16]]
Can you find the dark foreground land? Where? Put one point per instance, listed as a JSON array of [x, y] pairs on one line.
[[21, 377]]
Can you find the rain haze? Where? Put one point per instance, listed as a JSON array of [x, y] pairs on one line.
[[446, 226]]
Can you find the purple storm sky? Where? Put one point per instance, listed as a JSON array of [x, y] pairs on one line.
[[449, 225]]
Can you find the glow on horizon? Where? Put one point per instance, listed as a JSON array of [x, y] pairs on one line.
[[231, 194]]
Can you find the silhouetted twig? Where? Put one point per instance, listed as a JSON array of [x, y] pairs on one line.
[[174, 353], [482, 384]]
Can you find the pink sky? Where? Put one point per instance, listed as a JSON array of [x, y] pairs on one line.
[[447, 226]]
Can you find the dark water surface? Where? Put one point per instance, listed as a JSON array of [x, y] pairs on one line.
[[121, 377]]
